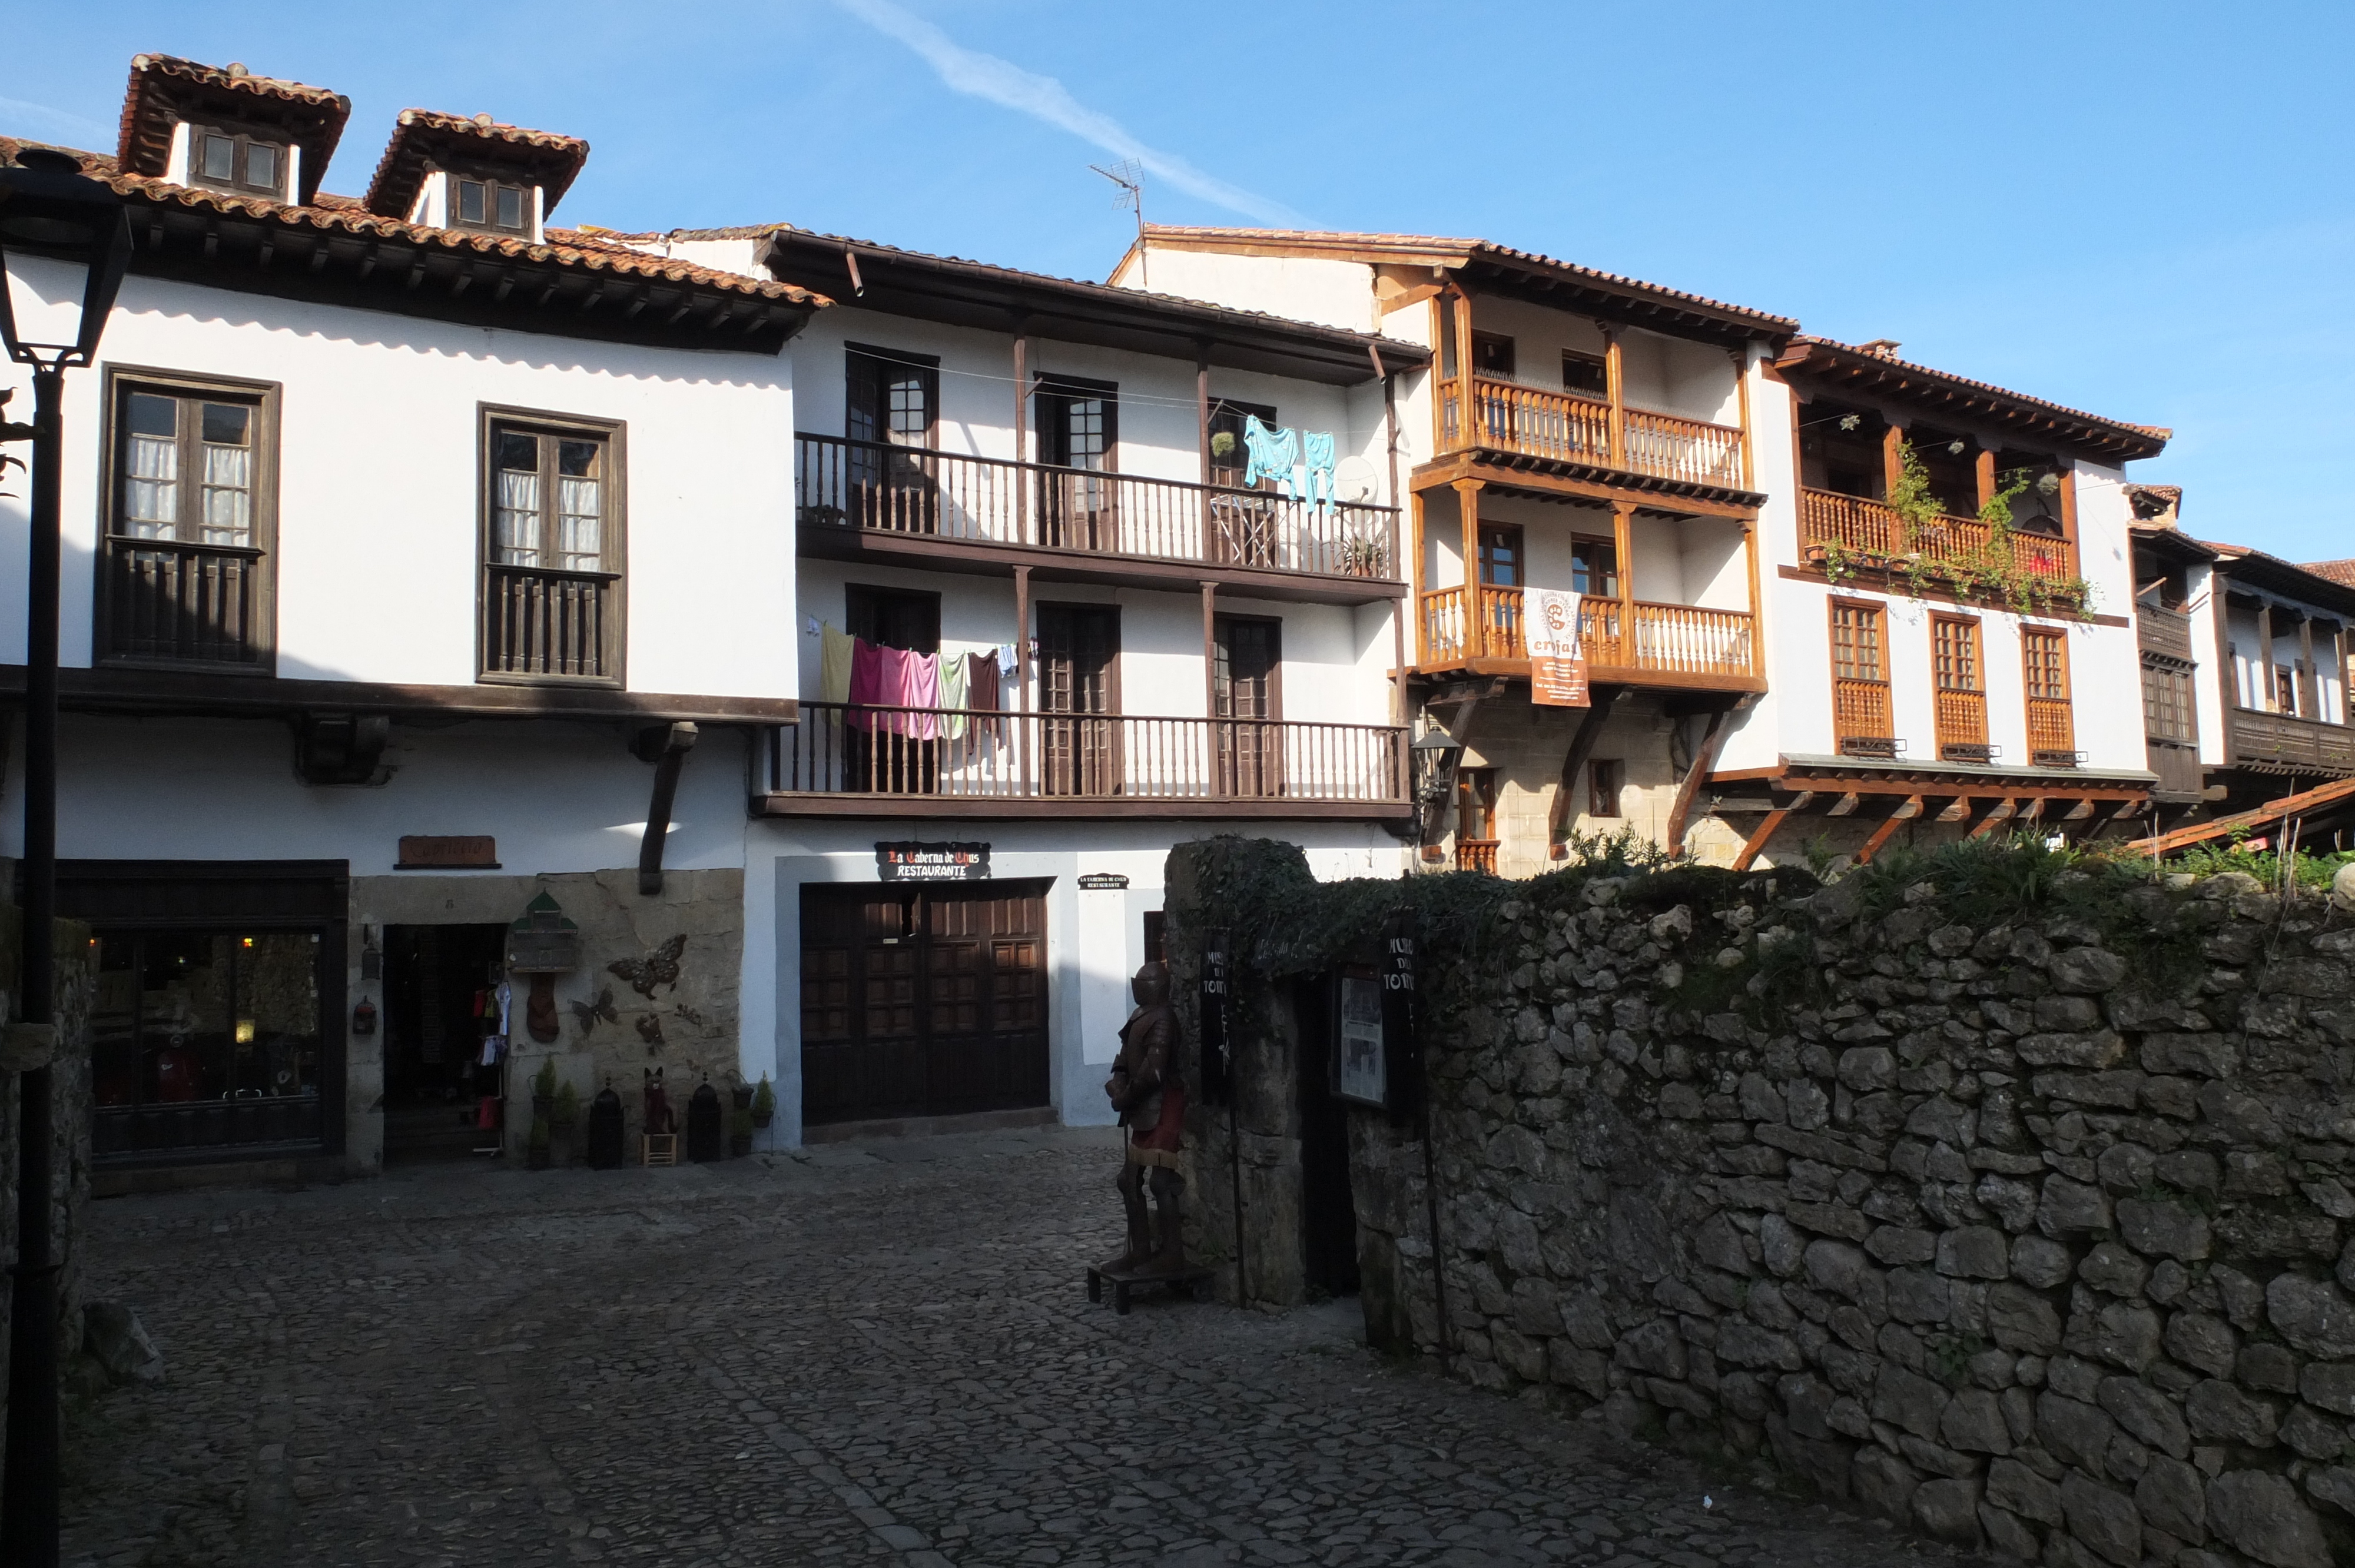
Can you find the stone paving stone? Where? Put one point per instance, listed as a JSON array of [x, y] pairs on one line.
[[869, 1354]]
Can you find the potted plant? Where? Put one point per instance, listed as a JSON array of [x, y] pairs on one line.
[[740, 1120], [764, 1103]]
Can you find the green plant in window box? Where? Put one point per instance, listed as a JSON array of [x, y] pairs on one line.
[[1364, 556]]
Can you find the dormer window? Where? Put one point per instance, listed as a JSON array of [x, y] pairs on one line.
[[495, 204], [237, 161]]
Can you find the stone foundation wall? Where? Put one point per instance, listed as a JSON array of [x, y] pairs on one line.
[[2031, 1231]]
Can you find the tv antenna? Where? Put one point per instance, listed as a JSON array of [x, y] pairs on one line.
[[1129, 175]]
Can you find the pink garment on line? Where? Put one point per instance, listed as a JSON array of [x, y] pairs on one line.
[[866, 681], [909, 681]]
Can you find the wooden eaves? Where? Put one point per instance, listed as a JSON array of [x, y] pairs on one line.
[[1820, 366]]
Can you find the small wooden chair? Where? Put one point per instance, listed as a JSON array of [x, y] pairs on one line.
[[657, 1149]]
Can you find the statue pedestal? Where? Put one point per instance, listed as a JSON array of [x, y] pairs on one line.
[[1194, 1283]]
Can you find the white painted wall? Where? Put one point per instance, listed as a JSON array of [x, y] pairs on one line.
[[1298, 288], [378, 544]]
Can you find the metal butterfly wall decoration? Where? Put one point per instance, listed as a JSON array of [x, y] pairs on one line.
[[657, 968], [585, 1014]]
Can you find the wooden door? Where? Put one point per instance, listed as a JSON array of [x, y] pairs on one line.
[[1079, 429], [1249, 690], [922, 1001], [1079, 672]]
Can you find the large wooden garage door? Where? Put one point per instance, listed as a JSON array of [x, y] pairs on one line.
[[922, 1001]]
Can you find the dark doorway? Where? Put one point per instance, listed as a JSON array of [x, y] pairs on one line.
[[1079, 672], [1248, 687], [1328, 1209], [441, 1001], [922, 1001]]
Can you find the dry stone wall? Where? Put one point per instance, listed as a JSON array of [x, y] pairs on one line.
[[2033, 1233]]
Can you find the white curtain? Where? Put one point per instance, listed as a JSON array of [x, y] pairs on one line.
[[518, 518], [579, 529], [151, 488], [228, 495]]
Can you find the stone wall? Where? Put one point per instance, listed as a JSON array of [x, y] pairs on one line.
[[2012, 1206]]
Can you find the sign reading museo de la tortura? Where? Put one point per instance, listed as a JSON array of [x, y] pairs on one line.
[[909, 860], [1557, 673]]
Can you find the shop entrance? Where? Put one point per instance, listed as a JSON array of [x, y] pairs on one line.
[[922, 1000], [441, 1002]]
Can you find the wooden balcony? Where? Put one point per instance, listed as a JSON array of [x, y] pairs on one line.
[[543, 623], [1564, 427], [1675, 645], [2284, 743], [1874, 535], [867, 501], [2167, 633], [173, 603], [845, 760]]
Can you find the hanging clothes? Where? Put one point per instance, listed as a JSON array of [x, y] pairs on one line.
[[981, 681], [954, 696], [908, 680], [834, 650], [866, 687]]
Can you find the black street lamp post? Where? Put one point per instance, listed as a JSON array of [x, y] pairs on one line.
[[65, 242]]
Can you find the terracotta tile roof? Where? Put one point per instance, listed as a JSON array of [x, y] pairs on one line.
[[1925, 383], [423, 138], [2337, 571], [2311, 583], [335, 214], [1106, 292], [165, 90], [1454, 251]]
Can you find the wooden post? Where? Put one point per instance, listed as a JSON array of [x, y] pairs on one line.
[[1907, 809], [1757, 619], [1398, 611], [1022, 672], [1464, 405], [1202, 439], [1414, 587], [1742, 399], [1581, 746], [1021, 434], [1756, 841], [1622, 545], [2264, 662], [1986, 464], [1704, 761], [1614, 388], [2069, 513], [1475, 630], [2309, 685], [1892, 458], [1209, 650]]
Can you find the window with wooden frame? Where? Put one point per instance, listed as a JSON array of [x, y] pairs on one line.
[[1959, 676], [2044, 665], [1079, 676], [892, 399], [2168, 713], [496, 206], [1247, 701], [1588, 375], [1492, 355], [553, 515], [1476, 819], [1595, 567], [1079, 428], [186, 567], [225, 159], [1502, 559], [907, 619], [1229, 458], [1606, 778], [1860, 710]]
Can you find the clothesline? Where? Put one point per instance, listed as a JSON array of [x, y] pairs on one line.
[[865, 675]]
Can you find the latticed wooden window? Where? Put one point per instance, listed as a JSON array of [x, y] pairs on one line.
[[2167, 710], [2044, 664], [1961, 688], [1860, 677]]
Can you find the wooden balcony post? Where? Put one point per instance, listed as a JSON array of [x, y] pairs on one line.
[[1021, 434], [1022, 672], [1475, 628], [1742, 403], [2069, 514], [1202, 438], [1218, 775], [1416, 588], [1622, 548], [1892, 458], [1464, 406], [1749, 559], [1985, 466], [2309, 688], [1614, 385], [2262, 678]]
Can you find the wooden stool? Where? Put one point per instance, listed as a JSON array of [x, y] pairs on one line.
[[1192, 1283], [657, 1149]]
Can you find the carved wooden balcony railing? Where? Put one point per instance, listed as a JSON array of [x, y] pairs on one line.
[[1670, 639], [966, 755], [2052, 733], [908, 491], [1961, 717], [1477, 855], [2285, 740], [543, 622], [1869, 528], [1859, 710], [2167, 633], [1535, 422], [183, 603]]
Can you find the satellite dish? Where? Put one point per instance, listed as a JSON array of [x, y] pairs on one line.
[[1355, 480]]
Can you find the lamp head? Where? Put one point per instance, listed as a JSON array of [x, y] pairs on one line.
[[65, 243]]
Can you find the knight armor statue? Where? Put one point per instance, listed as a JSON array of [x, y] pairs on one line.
[[1146, 1092]]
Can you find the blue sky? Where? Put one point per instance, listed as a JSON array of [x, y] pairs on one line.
[[2138, 210]]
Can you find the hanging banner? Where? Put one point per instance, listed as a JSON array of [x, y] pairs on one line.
[[1557, 671]]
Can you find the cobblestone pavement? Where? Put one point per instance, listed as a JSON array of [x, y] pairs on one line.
[[874, 1354]]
